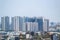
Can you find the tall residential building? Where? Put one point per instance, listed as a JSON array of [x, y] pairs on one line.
[[21, 21], [26, 26], [5, 23], [15, 23], [40, 24], [31, 26], [45, 25], [34, 27]]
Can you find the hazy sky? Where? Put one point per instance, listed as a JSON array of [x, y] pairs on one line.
[[49, 9]]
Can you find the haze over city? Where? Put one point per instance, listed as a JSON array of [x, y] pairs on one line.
[[49, 9]]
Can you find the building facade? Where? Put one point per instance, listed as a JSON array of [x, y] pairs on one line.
[[5, 23], [45, 25], [40, 24], [31, 26], [15, 23]]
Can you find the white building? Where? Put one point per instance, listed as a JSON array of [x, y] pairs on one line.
[[34, 27], [21, 21], [15, 23], [45, 25], [5, 23], [31, 26]]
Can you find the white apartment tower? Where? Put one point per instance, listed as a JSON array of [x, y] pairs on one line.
[[45, 25], [15, 23]]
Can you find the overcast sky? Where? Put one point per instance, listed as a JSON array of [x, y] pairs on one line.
[[49, 9]]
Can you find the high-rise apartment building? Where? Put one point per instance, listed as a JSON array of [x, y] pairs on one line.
[[21, 21], [40, 24], [15, 23], [5, 23], [31, 26], [34, 27], [45, 25]]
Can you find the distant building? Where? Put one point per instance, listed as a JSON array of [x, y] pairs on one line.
[[40, 24], [15, 23], [21, 21], [34, 27], [52, 24], [45, 25], [58, 27], [31, 26], [5, 23], [29, 19]]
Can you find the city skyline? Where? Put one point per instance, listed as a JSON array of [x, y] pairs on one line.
[[24, 24], [45, 8], [27, 24]]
